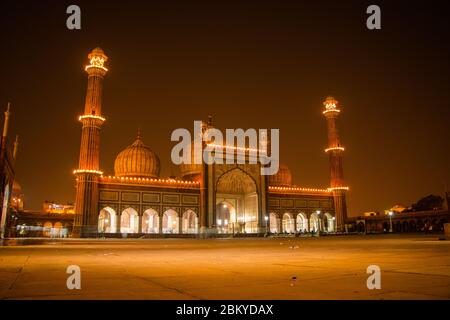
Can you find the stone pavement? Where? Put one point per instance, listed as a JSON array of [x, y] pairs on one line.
[[412, 267]]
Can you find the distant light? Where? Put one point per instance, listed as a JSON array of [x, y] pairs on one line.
[[266, 218], [219, 222]]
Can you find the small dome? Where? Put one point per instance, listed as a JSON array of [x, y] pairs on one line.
[[98, 52], [282, 178], [189, 171], [137, 160], [16, 189]]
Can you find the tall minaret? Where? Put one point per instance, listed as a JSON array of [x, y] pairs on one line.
[[5, 179], [6, 125], [335, 150], [88, 170], [16, 147]]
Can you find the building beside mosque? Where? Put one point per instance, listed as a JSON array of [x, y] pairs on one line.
[[419, 221], [205, 199], [55, 220], [8, 155]]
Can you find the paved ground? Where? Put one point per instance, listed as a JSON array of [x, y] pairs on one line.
[[412, 267]]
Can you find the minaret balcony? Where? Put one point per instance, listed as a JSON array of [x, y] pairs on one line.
[[91, 116], [334, 149]]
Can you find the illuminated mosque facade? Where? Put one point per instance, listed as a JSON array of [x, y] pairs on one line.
[[207, 199]]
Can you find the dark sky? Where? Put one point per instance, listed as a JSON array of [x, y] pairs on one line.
[[259, 64]]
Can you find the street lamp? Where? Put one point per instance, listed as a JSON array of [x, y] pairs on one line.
[[266, 218], [241, 224], [391, 213], [219, 223], [334, 224], [319, 220]]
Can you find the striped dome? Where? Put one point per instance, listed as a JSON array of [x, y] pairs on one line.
[[17, 188], [137, 160], [282, 178]]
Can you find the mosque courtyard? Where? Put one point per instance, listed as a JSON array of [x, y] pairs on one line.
[[333, 267]]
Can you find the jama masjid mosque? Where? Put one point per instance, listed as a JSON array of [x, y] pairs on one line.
[[207, 199]]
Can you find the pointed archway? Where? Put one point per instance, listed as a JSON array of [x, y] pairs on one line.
[[302, 222], [107, 220], [239, 189]]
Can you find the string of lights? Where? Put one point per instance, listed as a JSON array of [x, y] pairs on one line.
[[297, 189], [150, 181], [87, 171]]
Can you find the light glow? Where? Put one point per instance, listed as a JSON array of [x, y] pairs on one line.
[[331, 105], [96, 62]]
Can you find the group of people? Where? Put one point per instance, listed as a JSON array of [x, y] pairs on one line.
[[297, 233]]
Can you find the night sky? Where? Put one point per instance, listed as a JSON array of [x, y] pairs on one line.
[[249, 64]]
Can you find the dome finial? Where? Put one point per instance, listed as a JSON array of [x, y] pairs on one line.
[[139, 136]]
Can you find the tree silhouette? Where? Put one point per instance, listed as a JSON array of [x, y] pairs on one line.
[[431, 202]]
